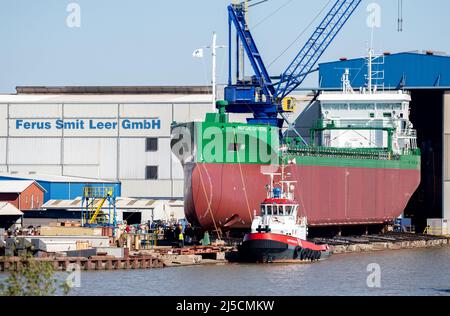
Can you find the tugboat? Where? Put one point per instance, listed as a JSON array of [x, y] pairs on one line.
[[278, 233]]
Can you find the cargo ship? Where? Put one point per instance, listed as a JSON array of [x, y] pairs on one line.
[[360, 167]]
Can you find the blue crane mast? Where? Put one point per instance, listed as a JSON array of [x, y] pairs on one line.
[[260, 95]]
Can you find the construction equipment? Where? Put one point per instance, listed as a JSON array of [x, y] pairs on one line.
[[94, 199], [99, 208], [260, 95]]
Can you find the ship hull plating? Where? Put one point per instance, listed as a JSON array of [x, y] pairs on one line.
[[227, 195]]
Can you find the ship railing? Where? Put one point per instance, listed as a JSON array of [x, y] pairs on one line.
[[437, 231], [354, 153], [410, 151], [411, 133], [366, 124]]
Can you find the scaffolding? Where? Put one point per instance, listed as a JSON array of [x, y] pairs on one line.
[[95, 212]]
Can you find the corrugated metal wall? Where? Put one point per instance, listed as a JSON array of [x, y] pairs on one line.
[[446, 202], [107, 154], [411, 70]]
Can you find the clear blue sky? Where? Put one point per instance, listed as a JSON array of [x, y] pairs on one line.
[[149, 42]]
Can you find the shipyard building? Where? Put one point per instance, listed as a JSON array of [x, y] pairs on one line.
[[426, 76], [115, 134], [111, 134], [122, 134]]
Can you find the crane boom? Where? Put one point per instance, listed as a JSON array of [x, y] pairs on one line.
[[260, 95], [316, 45]]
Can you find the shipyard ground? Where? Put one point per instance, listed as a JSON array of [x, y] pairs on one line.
[[161, 257]]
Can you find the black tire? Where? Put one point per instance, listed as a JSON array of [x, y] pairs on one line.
[[303, 254], [297, 252], [319, 255], [315, 254], [308, 255]]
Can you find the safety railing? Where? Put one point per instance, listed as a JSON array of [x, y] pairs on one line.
[[366, 124], [98, 192], [355, 153], [437, 231]]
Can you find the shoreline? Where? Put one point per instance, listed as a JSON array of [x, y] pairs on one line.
[[194, 256]]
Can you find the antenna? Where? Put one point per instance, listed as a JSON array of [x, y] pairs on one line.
[[369, 65], [346, 85], [214, 48], [400, 16], [375, 75]]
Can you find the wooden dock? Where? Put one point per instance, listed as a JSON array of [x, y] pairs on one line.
[[387, 241], [87, 264]]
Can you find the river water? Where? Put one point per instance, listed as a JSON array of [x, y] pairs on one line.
[[402, 272]]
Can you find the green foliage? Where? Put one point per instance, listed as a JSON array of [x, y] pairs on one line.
[[33, 278]]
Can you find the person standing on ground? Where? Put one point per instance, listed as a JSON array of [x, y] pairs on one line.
[[180, 237]]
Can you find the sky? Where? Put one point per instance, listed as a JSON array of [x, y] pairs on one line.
[[149, 42]]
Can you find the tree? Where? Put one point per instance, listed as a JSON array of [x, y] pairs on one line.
[[33, 278]]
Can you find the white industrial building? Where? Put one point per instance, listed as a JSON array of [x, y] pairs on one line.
[[107, 133], [103, 133]]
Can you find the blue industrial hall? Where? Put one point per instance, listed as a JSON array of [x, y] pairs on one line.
[[61, 187], [426, 76], [409, 70]]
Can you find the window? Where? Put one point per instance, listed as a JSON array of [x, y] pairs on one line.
[[263, 210], [362, 106], [151, 172], [275, 210], [151, 144], [384, 106], [288, 209], [397, 106], [335, 106], [389, 106]]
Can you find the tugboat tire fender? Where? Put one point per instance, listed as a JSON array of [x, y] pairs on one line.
[[297, 252], [308, 254], [319, 254], [303, 254]]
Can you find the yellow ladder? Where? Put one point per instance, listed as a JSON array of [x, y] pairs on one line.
[[99, 207]]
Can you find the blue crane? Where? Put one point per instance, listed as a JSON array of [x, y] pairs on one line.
[[261, 95]]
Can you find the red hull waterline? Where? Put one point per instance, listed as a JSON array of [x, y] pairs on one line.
[[227, 195]]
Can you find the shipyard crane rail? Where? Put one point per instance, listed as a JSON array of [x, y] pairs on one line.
[[261, 96]]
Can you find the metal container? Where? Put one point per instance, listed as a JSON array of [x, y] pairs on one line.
[[438, 226]]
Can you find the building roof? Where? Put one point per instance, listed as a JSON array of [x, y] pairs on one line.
[[7, 209], [369, 97], [408, 70], [121, 203], [110, 95], [104, 98], [115, 90], [17, 186], [51, 178]]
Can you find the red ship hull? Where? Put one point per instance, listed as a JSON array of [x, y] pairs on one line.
[[227, 195]]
